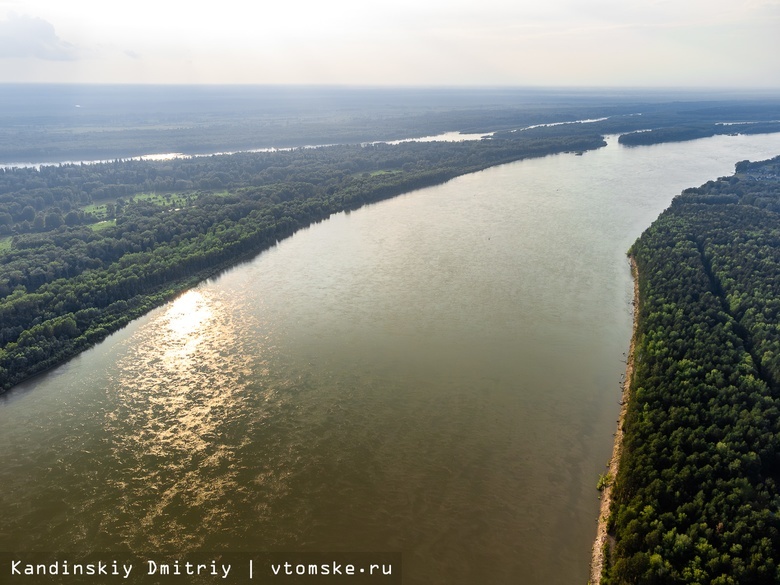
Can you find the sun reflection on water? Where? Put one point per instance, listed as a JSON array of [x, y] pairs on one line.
[[187, 322], [188, 313], [180, 391]]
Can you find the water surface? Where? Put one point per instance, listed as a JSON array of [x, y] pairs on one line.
[[436, 374]]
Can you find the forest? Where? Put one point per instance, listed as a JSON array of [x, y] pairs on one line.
[[697, 495], [86, 248]]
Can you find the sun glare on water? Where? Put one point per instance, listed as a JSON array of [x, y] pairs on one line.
[[188, 316], [179, 396]]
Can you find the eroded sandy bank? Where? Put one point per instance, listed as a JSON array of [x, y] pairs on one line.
[[597, 559]]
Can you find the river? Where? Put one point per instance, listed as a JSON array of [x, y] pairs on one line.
[[436, 374]]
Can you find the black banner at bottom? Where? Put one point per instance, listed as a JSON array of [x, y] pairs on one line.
[[201, 568]]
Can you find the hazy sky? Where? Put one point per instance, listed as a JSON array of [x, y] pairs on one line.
[[407, 42]]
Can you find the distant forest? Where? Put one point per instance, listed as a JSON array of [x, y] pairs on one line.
[[694, 131], [697, 497], [72, 122]]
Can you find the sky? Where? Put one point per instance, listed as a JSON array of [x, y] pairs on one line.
[[648, 43]]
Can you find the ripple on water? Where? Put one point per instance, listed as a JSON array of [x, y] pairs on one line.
[[174, 431]]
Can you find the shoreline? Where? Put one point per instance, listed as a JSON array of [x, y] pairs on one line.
[[597, 555]]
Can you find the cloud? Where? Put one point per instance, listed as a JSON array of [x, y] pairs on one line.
[[28, 37]]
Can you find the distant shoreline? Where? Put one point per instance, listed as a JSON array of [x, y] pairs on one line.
[[602, 538]]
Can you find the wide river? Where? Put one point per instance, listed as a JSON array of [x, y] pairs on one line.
[[437, 374]]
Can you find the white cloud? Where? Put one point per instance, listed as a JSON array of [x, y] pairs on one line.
[[25, 37], [556, 42]]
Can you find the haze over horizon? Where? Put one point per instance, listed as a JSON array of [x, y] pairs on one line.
[[657, 43]]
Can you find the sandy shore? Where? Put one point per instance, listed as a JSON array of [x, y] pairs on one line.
[[597, 559]]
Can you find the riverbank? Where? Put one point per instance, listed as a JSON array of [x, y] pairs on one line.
[[105, 276], [602, 537]]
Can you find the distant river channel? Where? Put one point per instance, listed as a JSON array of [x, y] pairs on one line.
[[437, 375]]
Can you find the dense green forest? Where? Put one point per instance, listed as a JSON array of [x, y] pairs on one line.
[[86, 248], [697, 496]]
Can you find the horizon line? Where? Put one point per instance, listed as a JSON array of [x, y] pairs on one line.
[[411, 86]]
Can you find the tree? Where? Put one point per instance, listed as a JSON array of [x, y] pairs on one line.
[[72, 218], [53, 221], [28, 214]]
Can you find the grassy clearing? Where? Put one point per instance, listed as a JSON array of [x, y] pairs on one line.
[[5, 243], [99, 210], [165, 200], [162, 199], [376, 173], [101, 225], [175, 199]]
